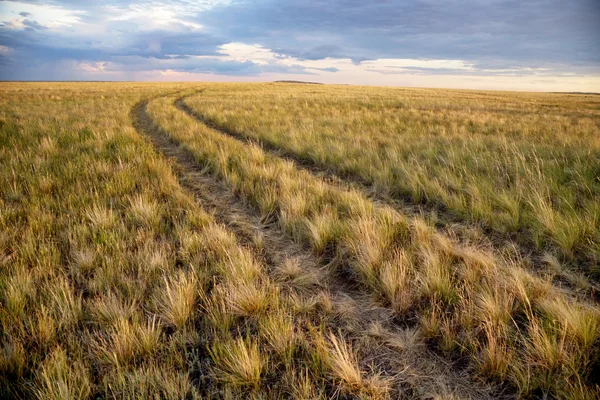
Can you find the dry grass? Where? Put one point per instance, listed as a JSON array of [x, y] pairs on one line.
[[115, 282], [521, 164], [454, 288], [239, 362], [176, 301]]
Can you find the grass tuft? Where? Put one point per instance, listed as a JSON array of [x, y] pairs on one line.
[[239, 362], [176, 299]]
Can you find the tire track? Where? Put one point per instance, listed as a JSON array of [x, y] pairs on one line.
[[415, 371], [446, 222]]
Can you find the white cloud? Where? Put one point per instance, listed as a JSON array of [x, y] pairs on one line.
[[153, 16], [247, 52], [46, 15], [392, 63], [16, 23], [260, 55], [93, 67], [404, 72], [150, 39]]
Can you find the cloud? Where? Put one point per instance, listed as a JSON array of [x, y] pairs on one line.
[[362, 42], [534, 31], [33, 25]]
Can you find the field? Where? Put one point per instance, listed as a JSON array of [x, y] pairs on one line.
[[282, 240]]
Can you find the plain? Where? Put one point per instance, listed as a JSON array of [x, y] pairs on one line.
[[302, 241]]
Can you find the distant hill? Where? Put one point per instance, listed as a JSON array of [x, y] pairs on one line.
[[306, 83], [593, 93]]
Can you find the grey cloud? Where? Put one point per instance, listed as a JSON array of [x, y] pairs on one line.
[[207, 66], [136, 63], [5, 60], [168, 44], [141, 51], [491, 34], [33, 25], [38, 46], [330, 69], [129, 50], [122, 39], [535, 31], [317, 52]]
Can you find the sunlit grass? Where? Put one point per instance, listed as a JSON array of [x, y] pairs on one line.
[[524, 165], [116, 283], [454, 288]]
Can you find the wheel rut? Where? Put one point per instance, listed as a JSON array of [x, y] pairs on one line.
[[415, 370]]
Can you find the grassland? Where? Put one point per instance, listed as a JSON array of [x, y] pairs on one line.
[[521, 165], [299, 241]]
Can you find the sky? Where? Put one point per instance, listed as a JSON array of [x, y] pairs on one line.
[[541, 45]]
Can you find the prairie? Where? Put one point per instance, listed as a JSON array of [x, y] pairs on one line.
[[297, 241], [522, 165]]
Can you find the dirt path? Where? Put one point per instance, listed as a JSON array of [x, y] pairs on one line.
[[445, 221], [398, 352]]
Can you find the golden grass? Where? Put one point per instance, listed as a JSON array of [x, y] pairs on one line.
[[176, 301], [116, 282], [521, 164], [239, 362], [454, 288], [113, 278]]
